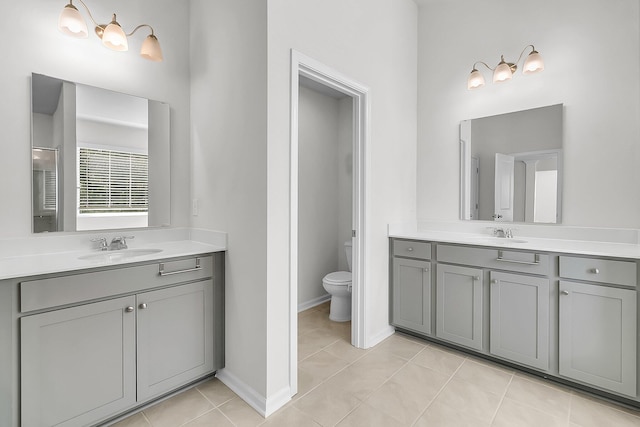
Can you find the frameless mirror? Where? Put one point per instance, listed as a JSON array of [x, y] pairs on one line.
[[100, 159], [511, 166]]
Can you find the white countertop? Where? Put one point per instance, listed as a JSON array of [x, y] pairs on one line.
[[567, 246], [58, 262]]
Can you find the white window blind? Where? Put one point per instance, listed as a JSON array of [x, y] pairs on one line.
[[113, 181]]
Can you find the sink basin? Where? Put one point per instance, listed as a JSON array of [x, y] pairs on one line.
[[498, 240], [111, 256]]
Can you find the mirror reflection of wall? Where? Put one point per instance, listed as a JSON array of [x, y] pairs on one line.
[[113, 157], [512, 166]]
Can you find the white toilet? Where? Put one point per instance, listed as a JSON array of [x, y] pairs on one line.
[[338, 284]]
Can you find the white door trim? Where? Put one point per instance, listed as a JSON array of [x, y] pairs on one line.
[[302, 65]]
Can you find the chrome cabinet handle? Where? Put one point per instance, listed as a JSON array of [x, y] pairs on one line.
[[595, 271], [564, 292], [142, 306], [494, 281], [161, 271], [410, 249], [476, 278], [536, 259], [128, 309], [426, 270]]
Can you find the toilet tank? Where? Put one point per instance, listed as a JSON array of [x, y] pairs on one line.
[[349, 252]]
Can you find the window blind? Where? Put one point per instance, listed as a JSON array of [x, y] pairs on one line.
[[112, 181]]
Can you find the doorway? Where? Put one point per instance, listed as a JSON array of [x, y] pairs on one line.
[[325, 78]]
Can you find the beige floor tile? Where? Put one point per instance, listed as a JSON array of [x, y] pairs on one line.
[[211, 418], [357, 382], [344, 350], [178, 410], [135, 420], [313, 321], [590, 413], [307, 381], [240, 413], [379, 364], [323, 364], [438, 360], [439, 415], [545, 398], [470, 399], [406, 395], [401, 347], [327, 404], [290, 417], [314, 341], [368, 416], [514, 414], [493, 380], [216, 392]]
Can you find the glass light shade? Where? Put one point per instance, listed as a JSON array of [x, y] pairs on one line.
[[151, 49], [502, 72], [71, 22], [475, 80], [114, 37], [533, 63]]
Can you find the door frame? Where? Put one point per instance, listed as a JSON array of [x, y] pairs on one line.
[[302, 65]]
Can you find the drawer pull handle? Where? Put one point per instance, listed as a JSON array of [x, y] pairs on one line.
[[142, 306], [536, 259], [564, 292], [476, 278], [169, 273], [129, 309], [410, 249], [595, 271]]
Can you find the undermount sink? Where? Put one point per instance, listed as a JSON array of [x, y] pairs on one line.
[[497, 240], [110, 256]]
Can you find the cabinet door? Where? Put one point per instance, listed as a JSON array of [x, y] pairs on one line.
[[598, 336], [411, 295], [520, 319], [78, 364], [175, 337], [459, 305]]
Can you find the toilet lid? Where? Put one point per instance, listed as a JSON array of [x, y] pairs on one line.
[[338, 278]]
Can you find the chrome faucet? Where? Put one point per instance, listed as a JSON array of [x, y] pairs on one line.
[[503, 232], [102, 243], [118, 243]]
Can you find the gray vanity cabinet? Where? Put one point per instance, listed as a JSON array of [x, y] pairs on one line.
[[96, 344], [175, 333], [459, 305], [411, 288], [80, 363], [598, 322], [519, 318]]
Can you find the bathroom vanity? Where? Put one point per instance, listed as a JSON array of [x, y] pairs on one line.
[[565, 310], [85, 345]]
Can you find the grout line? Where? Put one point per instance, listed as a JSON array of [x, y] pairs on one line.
[[504, 395]]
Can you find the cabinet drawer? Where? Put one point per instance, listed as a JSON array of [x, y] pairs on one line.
[[491, 258], [412, 249], [599, 270], [62, 290]]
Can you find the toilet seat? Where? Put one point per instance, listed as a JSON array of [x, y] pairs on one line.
[[338, 278]]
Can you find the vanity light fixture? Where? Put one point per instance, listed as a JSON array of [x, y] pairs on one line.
[[112, 35], [504, 70]]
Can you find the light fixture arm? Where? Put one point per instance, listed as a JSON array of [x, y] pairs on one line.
[[483, 63], [533, 49], [140, 26]]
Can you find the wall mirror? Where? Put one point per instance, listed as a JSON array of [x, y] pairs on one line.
[[100, 159], [511, 166]]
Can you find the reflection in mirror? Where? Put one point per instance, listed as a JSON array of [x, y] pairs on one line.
[[511, 166], [100, 159]]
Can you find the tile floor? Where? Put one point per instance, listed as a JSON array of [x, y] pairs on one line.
[[400, 382]]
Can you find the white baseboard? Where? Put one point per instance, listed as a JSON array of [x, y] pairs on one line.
[[312, 303], [380, 336], [264, 406]]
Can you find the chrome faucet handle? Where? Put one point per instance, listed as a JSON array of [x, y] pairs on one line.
[[102, 243], [119, 242]]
